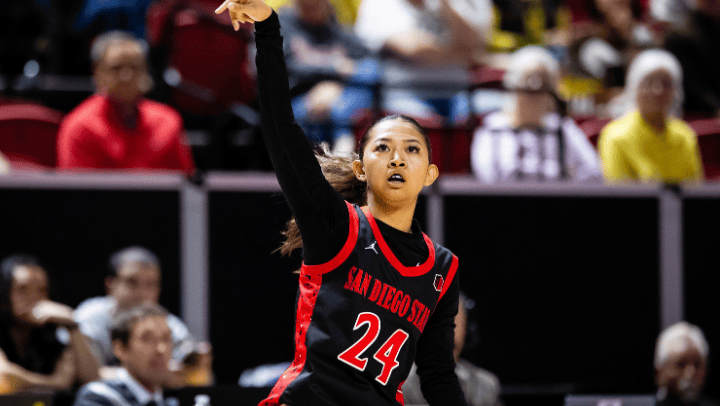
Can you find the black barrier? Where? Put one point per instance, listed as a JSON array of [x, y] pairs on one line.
[[701, 240], [565, 288], [253, 290], [565, 277], [74, 231]]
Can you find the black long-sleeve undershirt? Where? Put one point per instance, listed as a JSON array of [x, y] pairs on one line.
[[322, 216]]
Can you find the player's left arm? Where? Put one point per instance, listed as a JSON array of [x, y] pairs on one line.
[[434, 359]]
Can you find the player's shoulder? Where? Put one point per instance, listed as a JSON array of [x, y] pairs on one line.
[[443, 255]]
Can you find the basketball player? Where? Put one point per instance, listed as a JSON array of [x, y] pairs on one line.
[[375, 292]]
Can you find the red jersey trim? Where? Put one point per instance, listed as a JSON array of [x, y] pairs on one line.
[[344, 253], [404, 270], [450, 276], [309, 287]]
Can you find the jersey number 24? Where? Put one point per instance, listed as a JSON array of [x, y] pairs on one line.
[[386, 355]]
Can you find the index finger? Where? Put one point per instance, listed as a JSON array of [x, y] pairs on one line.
[[223, 6]]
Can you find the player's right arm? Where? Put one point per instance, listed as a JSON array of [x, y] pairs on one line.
[[320, 212]]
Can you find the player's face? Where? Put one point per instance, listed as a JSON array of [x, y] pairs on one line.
[[122, 73], [135, 283], [655, 92], [29, 286], [147, 353], [395, 163], [684, 371]]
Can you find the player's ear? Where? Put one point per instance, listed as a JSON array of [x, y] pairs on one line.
[[432, 174], [359, 170]]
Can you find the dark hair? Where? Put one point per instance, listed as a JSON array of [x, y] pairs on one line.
[[339, 172], [7, 266], [124, 322], [131, 255]]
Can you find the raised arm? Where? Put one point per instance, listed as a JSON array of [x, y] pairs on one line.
[[320, 212]]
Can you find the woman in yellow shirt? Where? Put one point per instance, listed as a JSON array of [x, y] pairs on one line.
[[650, 142]]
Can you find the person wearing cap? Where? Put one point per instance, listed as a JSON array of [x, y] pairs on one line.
[[528, 139]]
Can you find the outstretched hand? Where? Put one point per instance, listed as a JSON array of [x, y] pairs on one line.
[[245, 11]]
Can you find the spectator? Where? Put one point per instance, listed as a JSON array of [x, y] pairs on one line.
[[606, 45], [681, 358], [699, 56], [327, 71], [40, 345], [134, 278], [117, 128], [428, 42], [481, 387], [142, 341], [4, 165], [650, 142], [522, 141]]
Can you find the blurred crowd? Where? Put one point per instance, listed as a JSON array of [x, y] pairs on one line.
[[124, 338], [124, 348], [511, 90]]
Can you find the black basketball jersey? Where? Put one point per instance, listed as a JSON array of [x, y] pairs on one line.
[[359, 318]]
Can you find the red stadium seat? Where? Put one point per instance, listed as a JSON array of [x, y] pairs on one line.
[[708, 132], [592, 128], [28, 135], [211, 58]]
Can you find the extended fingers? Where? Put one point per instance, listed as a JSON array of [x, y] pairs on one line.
[[238, 15], [223, 6]]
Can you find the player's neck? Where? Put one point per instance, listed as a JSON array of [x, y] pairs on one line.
[[399, 217]]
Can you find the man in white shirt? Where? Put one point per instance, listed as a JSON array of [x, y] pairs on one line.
[[134, 278], [142, 341]]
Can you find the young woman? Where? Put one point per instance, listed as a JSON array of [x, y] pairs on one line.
[[375, 292], [35, 352]]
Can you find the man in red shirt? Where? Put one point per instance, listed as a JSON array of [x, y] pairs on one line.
[[117, 128]]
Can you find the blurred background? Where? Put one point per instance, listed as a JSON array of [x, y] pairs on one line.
[[578, 143]]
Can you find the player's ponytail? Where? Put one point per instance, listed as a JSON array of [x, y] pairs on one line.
[[338, 171]]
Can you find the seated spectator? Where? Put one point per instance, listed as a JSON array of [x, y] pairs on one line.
[[650, 142], [117, 128], [699, 56], [40, 345], [522, 142], [681, 361], [429, 47], [481, 387], [134, 278], [327, 70], [4, 165], [613, 37], [142, 341]]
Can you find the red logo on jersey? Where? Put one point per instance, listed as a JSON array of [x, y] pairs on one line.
[[439, 282]]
